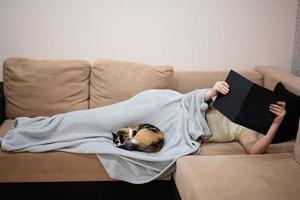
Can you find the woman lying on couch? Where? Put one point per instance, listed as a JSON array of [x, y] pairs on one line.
[[183, 118], [212, 122], [141, 110], [224, 130]]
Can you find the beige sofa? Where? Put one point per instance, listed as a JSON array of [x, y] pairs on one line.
[[219, 171], [222, 172]]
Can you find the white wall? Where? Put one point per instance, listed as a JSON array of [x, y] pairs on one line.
[[188, 34]]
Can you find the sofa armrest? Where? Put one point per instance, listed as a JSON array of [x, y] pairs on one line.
[[2, 104], [272, 75]]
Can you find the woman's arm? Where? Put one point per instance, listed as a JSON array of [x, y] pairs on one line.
[[220, 86], [254, 145]]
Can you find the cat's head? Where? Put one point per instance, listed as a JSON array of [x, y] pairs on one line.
[[119, 138]]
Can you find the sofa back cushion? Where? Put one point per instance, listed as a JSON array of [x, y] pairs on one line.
[[45, 87], [186, 81], [113, 81]]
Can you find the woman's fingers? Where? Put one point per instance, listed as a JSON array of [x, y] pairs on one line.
[[277, 109], [275, 106], [275, 112], [274, 109], [223, 83], [281, 103], [222, 87]]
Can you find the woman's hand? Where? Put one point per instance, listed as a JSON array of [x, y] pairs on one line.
[[254, 144], [222, 87], [279, 110]]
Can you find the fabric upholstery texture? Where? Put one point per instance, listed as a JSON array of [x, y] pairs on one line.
[[51, 167], [113, 81], [228, 148], [6, 126], [186, 81], [45, 87], [273, 75], [268, 177], [235, 148]]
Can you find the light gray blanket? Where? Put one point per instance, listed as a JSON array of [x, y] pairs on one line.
[[179, 116]]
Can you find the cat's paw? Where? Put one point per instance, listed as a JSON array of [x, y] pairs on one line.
[[117, 145]]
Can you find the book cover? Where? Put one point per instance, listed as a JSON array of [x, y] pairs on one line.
[[246, 103]]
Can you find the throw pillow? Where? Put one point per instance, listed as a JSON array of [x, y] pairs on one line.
[[289, 126], [113, 81]]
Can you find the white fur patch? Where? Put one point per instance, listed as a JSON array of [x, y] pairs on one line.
[[134, 141], [117, 145], [130, 133]]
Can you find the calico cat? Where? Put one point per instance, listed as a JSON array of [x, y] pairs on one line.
[[144, 137]]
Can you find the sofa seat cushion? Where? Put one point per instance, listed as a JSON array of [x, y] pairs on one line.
[[229, 148], [284, 147], [267, 176], [45, 87], [113, 81], [50, 166], [233, 148], [6, 126]]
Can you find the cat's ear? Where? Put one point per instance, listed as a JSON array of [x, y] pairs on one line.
[[113, 133]]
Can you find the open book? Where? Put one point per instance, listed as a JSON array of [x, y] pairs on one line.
[[246, 103]]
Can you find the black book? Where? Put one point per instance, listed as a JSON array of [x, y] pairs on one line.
[[246, 103]]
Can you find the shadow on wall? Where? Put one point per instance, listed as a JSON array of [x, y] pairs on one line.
[[296, 70], [296, 53]]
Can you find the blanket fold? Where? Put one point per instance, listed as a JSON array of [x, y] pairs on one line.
[[180, 116]]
